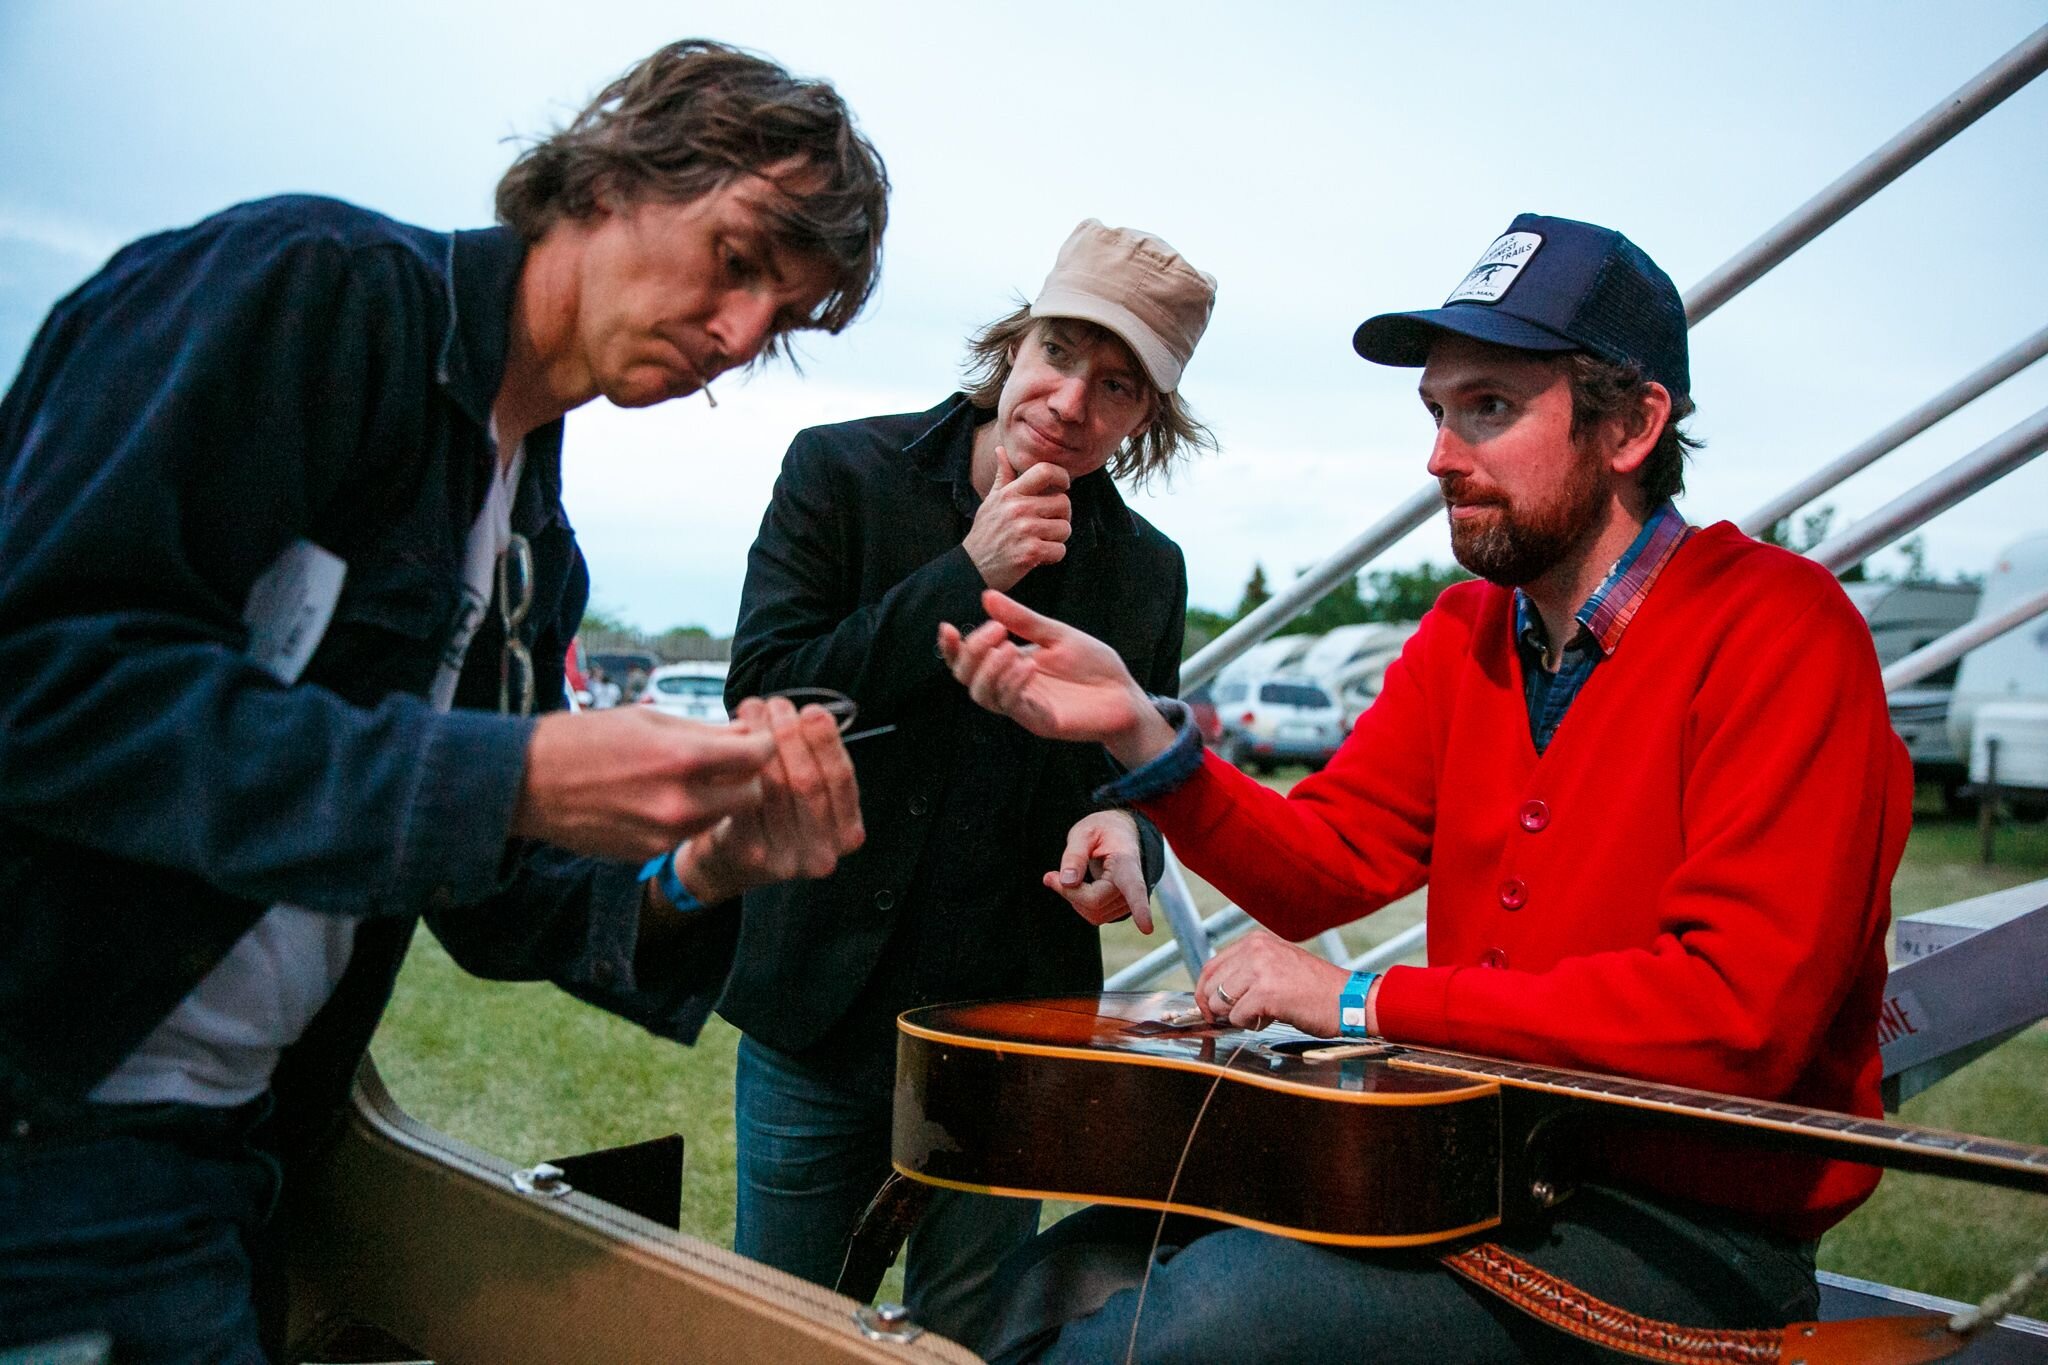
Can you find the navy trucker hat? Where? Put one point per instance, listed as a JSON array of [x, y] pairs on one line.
[[1552, 284]]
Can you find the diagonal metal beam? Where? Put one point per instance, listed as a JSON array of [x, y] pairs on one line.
[[1986, 92]]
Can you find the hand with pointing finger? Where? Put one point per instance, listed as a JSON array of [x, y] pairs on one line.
[[1102, 873], [1023, 522]]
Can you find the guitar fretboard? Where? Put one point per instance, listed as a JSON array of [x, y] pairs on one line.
[[1873, 1139]]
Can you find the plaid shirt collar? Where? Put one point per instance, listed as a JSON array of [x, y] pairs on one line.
[[1606, 614]]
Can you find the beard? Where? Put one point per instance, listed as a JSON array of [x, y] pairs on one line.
[[1518, 544]]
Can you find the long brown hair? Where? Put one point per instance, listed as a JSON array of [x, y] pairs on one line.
[[697, 115]]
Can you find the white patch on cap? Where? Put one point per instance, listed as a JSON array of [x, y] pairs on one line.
[[1497, 270]]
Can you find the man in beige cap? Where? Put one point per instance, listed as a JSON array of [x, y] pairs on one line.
[[982, 840]]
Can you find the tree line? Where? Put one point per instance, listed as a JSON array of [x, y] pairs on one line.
[[1375, 595]]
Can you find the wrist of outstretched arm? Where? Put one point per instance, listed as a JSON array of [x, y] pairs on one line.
[[1167, 768], [1144, 735]]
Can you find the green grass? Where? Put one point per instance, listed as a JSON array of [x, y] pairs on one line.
[[1948, 1237], [528, 1073]]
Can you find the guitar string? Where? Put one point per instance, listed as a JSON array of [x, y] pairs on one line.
[[1966, 1323], [1159, 1228]]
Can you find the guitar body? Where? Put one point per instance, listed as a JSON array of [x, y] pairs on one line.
[[1087, 1097], [1097, 1097]]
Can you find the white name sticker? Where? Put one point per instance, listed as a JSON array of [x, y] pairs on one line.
[[1497, 270], [289, 608]]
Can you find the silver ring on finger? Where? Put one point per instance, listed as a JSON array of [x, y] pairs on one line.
[[1225, 996]]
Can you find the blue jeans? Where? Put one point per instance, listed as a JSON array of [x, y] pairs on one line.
[[135, 1226], [1228, 1293], [811, 1154]]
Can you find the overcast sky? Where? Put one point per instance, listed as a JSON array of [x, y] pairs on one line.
[[1324, 161]]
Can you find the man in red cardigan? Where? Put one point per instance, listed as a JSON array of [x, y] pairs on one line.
[[1647, 773]]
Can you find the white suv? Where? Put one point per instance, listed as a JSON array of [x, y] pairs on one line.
[[1277, 718], [693, 691]]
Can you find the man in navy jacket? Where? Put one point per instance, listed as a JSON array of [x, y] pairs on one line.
[[284, 572]]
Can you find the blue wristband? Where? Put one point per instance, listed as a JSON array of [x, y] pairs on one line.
[[1351, 1004], [661, 870]]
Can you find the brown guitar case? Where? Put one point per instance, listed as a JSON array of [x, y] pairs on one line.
[[427, 1240]]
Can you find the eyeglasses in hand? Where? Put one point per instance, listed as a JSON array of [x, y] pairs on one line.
[[842, 708]]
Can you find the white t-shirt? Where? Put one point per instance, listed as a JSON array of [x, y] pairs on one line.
[[220, 1045]]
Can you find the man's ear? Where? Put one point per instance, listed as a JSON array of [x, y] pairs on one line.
[[1635, 435]]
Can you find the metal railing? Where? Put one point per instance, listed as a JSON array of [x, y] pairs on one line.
[[1966, 391], [1939, 654], [1195, 937], [1920, 504], [1974, 100]]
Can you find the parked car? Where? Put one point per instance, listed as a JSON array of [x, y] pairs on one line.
[[694, 691], [1905, 616], [1357, 675], [1920, 716], [573, 678], [1902, 618], [1275, 719], [1202, 702], [629, 668]]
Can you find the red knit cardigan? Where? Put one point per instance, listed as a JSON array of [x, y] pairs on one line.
[[1690, 886]]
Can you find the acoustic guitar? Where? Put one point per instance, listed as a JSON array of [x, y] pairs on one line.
[[1040, 1098]]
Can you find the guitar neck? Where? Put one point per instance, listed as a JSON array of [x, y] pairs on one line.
[[1818, 1132]]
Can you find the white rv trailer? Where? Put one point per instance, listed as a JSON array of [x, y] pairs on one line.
[[2001, 691]]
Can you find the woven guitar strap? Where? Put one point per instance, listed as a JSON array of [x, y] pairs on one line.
[[1545, 1297]]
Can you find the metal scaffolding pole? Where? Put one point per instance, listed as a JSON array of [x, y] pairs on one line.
[[1305, 590], [1976, 98], [1968, 390], [1981, 95], [1939, 654], [1941, 123], [1981, 467]]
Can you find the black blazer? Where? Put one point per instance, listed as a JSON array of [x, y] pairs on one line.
[[857, 562]]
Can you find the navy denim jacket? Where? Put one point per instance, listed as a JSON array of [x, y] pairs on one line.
[[292, 368]]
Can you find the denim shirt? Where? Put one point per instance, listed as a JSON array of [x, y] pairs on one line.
[[289, 369]]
